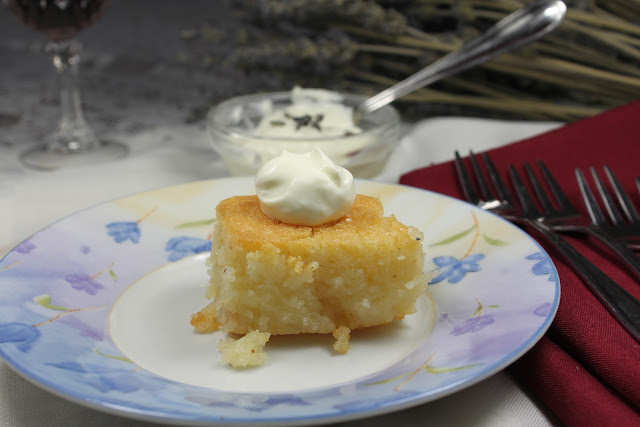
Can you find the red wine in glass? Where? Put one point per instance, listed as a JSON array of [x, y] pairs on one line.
[[59, 20], [74, 142]]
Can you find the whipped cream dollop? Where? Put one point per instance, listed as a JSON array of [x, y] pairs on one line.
[[304, 189]]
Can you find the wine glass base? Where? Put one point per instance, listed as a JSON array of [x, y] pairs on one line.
[[42, 158]]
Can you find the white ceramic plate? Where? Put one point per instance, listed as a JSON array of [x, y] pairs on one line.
[[96, 308]]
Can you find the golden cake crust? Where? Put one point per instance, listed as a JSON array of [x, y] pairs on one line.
[[251, 228]]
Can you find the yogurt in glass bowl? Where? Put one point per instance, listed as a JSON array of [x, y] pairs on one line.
[[247, 131]]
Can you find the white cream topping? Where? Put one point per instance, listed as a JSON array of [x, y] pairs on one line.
[[313, 113], [304, 189]]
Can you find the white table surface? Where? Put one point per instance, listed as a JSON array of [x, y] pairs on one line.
[[165, 150]]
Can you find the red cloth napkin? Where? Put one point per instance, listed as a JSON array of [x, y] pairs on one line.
[[586, 369]]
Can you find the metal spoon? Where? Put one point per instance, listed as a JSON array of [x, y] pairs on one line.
[[517, 29]]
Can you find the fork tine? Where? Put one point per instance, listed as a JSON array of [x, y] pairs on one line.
[[609, 204], [483, 185], [469, 191], [529, 209], [623, 199], [558, 194], [537, 187], [498, 183], [595, 213]]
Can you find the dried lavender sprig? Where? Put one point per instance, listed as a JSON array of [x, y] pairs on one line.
[[604, 37], [522, 106], [287, 53], [560, 47], [630, 9], [456, 43], [609, 22], [574, 21], [516, 68], [550, 64], [573, 69], [560, 81], [365, 13]]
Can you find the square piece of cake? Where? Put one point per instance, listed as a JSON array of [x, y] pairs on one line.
[[361, 270]]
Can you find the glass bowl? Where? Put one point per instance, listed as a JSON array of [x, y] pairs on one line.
[[232, 126]]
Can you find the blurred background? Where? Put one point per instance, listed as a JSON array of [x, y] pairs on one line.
[[168, 62]]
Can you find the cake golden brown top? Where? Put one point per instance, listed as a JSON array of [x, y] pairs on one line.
[[242, 218]]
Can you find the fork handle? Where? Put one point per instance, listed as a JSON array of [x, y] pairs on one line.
[[622, 305], [629, 257]]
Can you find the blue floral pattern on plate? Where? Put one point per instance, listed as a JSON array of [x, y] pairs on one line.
[[55, 301], [182, 246], [544, 266], [454, 270], [123, 231]]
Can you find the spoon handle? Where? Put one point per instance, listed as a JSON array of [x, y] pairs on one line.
[[515, 30]]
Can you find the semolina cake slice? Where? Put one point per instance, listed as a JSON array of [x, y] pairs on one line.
[[361, 270]]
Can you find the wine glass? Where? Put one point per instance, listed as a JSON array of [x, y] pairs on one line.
[[73, 142]]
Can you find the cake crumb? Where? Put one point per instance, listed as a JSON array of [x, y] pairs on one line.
[[342, 335], [205, 320], [245, 351]]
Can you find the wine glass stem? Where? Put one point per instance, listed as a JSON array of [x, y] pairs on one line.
[[73, 133]]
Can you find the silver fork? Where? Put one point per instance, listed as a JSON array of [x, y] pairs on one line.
[[566, 217], [501, 202], [629, 230], [624, 308]]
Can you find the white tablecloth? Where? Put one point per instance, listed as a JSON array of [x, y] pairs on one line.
[[166, 151]]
